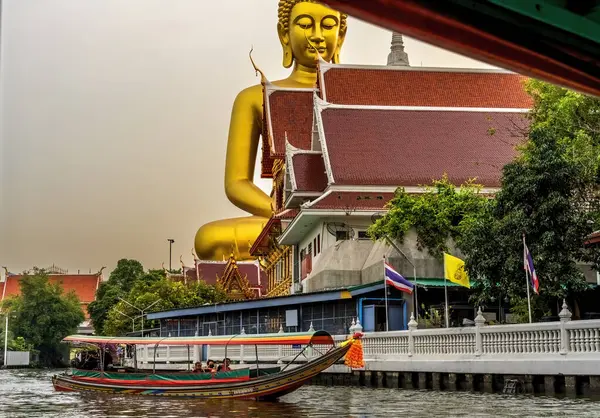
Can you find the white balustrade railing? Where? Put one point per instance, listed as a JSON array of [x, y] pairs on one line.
[[481, 341]]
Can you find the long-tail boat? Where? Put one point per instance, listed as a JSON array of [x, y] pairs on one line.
[[256, 383]]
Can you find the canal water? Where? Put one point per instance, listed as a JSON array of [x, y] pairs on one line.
[[29, 393]]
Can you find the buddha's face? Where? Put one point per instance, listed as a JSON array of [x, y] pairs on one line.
[[312, 29]]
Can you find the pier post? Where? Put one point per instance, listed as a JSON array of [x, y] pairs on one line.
[[488, 383], [595, 384], [528, 384], [570, 386], [392, 379], [379, 376], [436, 379], [549, 385], [368, 379], [422, 380], [452, 381], [408, 380], [469, 382], [565, 316]]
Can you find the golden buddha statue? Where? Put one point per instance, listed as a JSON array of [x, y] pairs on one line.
[[306, 31]]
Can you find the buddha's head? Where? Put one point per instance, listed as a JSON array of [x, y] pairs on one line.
[[305, 25]]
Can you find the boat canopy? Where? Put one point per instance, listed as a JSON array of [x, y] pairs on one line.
[[296, 338]]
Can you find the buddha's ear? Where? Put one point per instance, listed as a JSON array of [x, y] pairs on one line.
[[284, 38], [338, 48]]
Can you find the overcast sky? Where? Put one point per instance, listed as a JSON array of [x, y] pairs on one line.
[[114, 119]]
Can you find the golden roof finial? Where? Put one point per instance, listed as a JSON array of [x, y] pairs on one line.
[[263, 78]]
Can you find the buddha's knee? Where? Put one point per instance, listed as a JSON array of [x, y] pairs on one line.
[[211, 239]]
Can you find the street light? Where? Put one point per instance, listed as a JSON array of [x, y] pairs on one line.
[[171, 241], [141, 310], [6, 340], [132, 319]]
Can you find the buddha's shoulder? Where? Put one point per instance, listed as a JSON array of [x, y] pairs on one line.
[[252, 94]]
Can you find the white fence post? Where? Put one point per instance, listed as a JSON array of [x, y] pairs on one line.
[[565, 316], [479, 322], [279, 347], [412, 325], [242, 347], [208, 346]]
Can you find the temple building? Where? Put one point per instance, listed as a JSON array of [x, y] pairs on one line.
[[337, 153], [83, 284], [241, 280]]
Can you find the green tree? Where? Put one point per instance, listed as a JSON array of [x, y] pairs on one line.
[[119, 283], [550, 194], [155, 287], [436, 215], [43, 315]]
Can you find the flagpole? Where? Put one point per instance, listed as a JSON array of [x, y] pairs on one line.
[[446, 295], [526, 278], [385, 293]]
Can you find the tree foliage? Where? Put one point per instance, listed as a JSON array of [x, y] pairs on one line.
[[549, 193], [437, 215], [119, 283], [165, 293], [129, 289], [43, 315]]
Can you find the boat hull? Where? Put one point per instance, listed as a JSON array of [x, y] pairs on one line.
[[268, 387]]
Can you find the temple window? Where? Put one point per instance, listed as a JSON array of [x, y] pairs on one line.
[[362, 235], [341, 235]]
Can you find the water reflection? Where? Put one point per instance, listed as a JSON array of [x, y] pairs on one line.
[[30, 394]]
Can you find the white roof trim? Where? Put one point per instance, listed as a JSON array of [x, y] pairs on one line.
[[319, 105], [267, 104], [428, 108], [293, 195], [327, 66], [289, 153], [323, 67], [272, 88], [392, 189], [323, 196]]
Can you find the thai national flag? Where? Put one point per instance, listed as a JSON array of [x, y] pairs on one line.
[[528, 265], [393, 278]]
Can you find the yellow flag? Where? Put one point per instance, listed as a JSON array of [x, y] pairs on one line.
[[454, 271]]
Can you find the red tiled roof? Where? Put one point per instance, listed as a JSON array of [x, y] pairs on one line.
[[384, 86], [209, 271], [411, 148], [84, 285], [262, 241], [353, 201], [309, 172], [292, 115]]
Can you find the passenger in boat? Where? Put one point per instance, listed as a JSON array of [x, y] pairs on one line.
[[108, 360], [198, 367], [225, 366], [210, 366]]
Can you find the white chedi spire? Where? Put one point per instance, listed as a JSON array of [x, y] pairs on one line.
[[397, 56]]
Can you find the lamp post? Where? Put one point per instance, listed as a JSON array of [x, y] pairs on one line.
[[6, 340], [132, 319], [141, 310], [171, 241]]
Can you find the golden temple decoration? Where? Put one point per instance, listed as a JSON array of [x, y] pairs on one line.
[[233, 283]]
